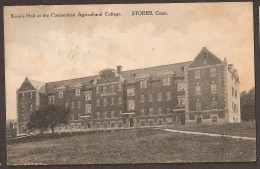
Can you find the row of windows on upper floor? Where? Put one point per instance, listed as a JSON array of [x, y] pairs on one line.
[[30, 107], [213, 88], [120, 101], [213, 73], [130, 92], [23, 95], [213, 105]]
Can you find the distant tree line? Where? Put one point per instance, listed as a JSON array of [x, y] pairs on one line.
[[247, 105]]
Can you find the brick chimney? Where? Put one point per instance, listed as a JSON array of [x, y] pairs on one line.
[[119, 69]]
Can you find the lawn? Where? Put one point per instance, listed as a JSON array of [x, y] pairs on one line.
[[134, 146]]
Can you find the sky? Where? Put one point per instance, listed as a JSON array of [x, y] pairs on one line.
[[59, 48]]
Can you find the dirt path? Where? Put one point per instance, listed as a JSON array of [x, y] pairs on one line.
[[209, 134]]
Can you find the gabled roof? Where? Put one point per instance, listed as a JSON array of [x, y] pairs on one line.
[[204, 58], [38, 85], [86, 81]]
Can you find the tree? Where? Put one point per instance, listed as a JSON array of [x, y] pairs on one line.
[[247, 104], [48, 117]]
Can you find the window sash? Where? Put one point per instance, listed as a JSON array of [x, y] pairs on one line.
[[197, 74], [198, 106]]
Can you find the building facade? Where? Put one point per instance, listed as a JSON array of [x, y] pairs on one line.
[[205, 90]]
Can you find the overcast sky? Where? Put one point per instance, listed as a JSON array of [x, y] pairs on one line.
[[51, 49]]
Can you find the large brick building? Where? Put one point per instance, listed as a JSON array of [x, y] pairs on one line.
[[205, 90]]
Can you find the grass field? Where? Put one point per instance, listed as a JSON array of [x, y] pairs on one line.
[[139, 146]]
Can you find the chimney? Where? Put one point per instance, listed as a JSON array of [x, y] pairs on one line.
[[119, 69]]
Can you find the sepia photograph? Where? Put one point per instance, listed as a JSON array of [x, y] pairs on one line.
[[130, 83]]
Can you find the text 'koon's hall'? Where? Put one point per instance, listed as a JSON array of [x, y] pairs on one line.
[[205, 90]]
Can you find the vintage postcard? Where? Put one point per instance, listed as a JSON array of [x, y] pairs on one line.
[[130, 83]]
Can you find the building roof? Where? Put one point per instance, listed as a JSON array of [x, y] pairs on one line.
[[177, 68], [204, 58], [38, 85], [128, 75]]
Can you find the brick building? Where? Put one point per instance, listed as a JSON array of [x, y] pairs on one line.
[[205, 90]]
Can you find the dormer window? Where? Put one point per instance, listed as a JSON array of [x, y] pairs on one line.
[[166, 81], [143, 84], [60, 92], [77, 92]]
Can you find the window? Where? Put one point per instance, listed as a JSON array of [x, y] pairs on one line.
[[168, 95], [214, 119], [112, 101], [113, 124], [237, 108], [51, 99], [131, 105], [97, 102], [159, 121], [112, 88], [166, 81], [197, 90], [104, 89], [119, 100], [142, 98], [23, 107], [159, 97], [197, 74], [214, 105], [212, 72], [213, 88], [181, 101], [180, 86], [78, 104], [23, 117], [168, 110], [97, 115], [22, 96], [198, 106], [150, 97], [120, 87], [131, 92], [105, 114], [66, 104], [60, 93], [97, 90], [236, 93], [105, 102], [88, 108], [233, 92], [142, 112], [159, 110], [151, 111], [30, 107], [75, 116], [143, 83], [77, 92], [31, 94], [142, 123], [72, 105], [88, 96], [150, 122], [112, 114], [120, 124], [120, 113]]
